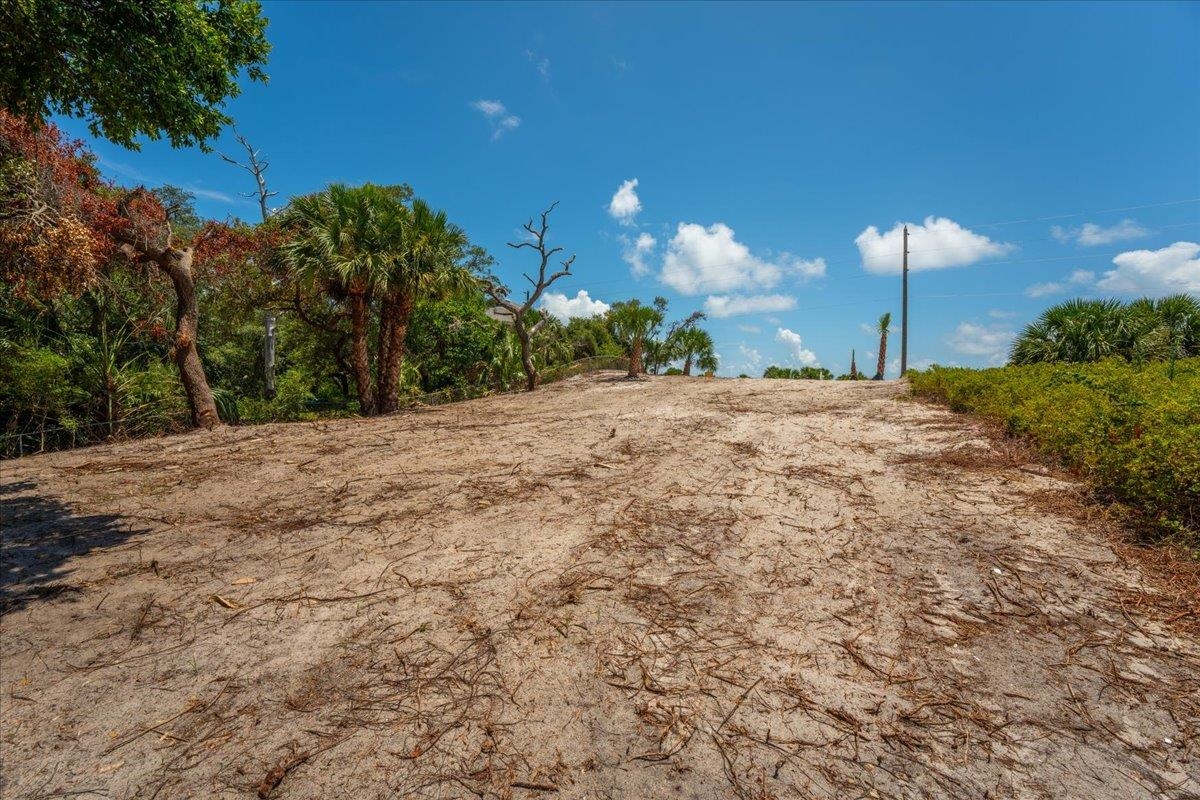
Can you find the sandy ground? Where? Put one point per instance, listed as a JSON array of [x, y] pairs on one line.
[[677, 588]]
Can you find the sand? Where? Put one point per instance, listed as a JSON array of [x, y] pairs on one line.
[[669, 588]]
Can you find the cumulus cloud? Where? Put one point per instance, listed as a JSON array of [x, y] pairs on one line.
[[636, 251], [625, 203], [980, 340], [722, 306], [1090, 234], [937, 244], [1175, 268], [703, 259], [799, 353], [564, 308], [497, 116]]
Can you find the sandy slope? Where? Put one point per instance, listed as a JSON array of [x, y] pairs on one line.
[[670, 588]]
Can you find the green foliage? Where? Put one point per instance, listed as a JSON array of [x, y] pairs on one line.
[[804, 373], [451, 342], [1133, 430], [631, 322], [1081, 331], [131, 67]]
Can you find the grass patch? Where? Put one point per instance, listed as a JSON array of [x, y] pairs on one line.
[[1131, 430]]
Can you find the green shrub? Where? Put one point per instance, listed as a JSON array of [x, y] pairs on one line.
[[1132, 430]]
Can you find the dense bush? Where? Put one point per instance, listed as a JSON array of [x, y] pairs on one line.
[[1132, 430], [804, 373]]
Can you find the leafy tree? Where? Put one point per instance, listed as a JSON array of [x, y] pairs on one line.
[[131, 67], [589, 337], [883, 326], [63, 228], [451, 343], [632, 323]]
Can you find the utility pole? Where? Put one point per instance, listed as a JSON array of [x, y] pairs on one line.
[[904, 311]]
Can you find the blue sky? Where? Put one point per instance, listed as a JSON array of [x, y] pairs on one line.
[[1039, 151]]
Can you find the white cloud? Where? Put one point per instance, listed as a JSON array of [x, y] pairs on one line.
[[542, 64], [564, 308], [710, 259], [1090, 234], [751, 358], [1080, 277], [1172, 269], [636, 251], [722, 306], [799, 353], [625, 203], [749, 329], [937, 244], [996, 313], [1044, 289], [867, 327], [497, 116], [980, 340]]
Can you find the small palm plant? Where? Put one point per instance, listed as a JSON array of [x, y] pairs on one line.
[[883, 326]]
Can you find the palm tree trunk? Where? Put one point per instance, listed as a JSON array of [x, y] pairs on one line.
[[396, 313], [635, 357], [687, 365], [177, 264], [360, 361], [882, 363]]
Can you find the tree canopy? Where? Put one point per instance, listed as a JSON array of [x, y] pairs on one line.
[[132, 68]]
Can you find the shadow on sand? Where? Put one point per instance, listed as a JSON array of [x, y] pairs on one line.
[[38, 538]]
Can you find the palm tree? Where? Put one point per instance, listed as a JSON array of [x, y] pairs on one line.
[[1078, 330], [336, 244], [632, 324], [853, 367], [885, 322], [1090, 330], [363, 244], [695, 344], [428, 264]]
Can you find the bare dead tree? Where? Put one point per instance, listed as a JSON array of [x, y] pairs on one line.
[[499, 293], [152, 242], [257, 167]]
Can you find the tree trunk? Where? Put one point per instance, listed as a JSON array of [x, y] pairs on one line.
[[687, 365], [396, 313], [879, 367], [635, 357], [360, 326], [532, 379], [177, 264]]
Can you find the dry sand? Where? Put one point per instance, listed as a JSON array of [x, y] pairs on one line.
[[667, 588]]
